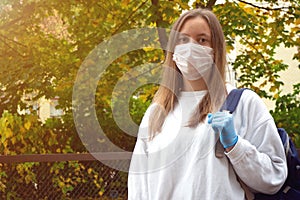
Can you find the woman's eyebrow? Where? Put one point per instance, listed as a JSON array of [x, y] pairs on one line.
[[184, 34], [203, 34], [200, 34]]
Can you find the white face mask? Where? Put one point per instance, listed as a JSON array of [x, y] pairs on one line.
[[193, 60]]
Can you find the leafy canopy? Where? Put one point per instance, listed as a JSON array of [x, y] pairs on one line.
[[44, 43]]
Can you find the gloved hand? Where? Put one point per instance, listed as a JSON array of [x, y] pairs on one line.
[[222, 123]]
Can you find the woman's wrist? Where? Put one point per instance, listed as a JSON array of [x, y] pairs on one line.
[[229, 148]]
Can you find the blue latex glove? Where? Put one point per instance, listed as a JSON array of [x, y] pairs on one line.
[[222, 123]]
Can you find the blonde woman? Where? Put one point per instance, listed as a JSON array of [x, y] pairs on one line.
[[175, 152]]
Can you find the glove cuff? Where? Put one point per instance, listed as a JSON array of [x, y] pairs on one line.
[[232, 143]]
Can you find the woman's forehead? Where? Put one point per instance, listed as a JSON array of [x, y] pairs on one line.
[[195, 26]]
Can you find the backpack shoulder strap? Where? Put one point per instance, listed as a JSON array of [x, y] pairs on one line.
[[232, 100], [230, 104], [284, 139]]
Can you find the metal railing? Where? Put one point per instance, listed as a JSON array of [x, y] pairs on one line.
[[63, 176]]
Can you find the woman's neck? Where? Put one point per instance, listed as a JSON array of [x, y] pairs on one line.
[[196, 85]]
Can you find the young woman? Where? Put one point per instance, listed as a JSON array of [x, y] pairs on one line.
[[175, 152]]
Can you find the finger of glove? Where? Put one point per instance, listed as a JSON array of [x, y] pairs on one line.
[[216, 130], [218, 124], [222, 118], [209, 118], [223, 127], [219, 121], [217, 115], [221, 115]]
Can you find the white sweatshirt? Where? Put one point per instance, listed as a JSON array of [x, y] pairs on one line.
[[180, 162]]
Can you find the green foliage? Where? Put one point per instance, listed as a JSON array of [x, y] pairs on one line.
[[44, 43], [287, 113], [26, 134], [259, 30]]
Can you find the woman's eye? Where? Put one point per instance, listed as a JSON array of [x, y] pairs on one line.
[[182, 40], [202, 40]]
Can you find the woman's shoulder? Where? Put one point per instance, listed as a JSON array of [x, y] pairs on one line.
[[250, 95], [247, 95], [252, 104], [149, 111]]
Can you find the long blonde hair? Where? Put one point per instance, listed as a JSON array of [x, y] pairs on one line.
[[166, 96]]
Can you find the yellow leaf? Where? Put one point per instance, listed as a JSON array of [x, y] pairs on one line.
[[61, 184], [22, 130], [229, 48], [273, 88], [148, 49], [13, 140], [297, 21], [9, 133], [263, 84], [27, 125], [276, 96], [125, 2]]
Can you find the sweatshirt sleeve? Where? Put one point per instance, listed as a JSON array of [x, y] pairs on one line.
[[138, 171], [258, 157], [137, 177]]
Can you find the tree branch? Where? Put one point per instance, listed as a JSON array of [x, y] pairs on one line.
[[18, 43], [11, 48], [8, 24], [257, 51], [199, 5], [261, 7], [127, 19], [26, 11], [163, 39], [210, 4]]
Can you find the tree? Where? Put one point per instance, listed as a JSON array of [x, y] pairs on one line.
[[287, 111], [43, 45]]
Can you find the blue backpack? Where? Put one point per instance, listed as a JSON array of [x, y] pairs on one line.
[[291, 188]]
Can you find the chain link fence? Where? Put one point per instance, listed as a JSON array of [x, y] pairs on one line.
[[79, 176]]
